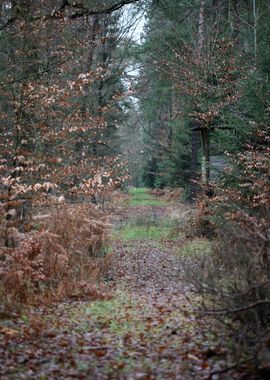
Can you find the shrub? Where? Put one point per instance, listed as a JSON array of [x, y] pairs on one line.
[[168, 194], [235, 276], [62, 256], [81, 229]]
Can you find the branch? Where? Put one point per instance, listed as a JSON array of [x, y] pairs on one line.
[[108, 10], [32, 75], [231, 368], [152, 137], [237, 310], [58, 13]]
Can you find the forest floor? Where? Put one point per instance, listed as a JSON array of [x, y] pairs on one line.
[[145, 328]]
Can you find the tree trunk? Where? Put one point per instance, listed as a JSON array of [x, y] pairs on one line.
[[254, 5], [201, 27], [205, 156], [194, 134], [194, 166], [204, 132]]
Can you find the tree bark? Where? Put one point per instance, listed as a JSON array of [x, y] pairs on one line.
[[201, 27], [204, 131], [254, 6], [194, 166], [205, 156], [195, 134]]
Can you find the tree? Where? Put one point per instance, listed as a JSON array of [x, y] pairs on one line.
[[61, 101], [197, 61], [159, 104]]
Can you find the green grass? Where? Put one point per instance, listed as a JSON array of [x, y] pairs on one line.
[[148, 226], [196, 247], [141, 197], [131, 232], [136, 191], [119, 316], [126, 321]]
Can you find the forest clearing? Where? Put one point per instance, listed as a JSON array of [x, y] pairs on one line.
[[135, 189]]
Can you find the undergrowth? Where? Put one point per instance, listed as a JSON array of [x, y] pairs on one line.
[[196, 248], [142, 197], [60, 256]]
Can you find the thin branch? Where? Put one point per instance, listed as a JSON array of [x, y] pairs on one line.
[[29, 76], [231, 368], [236, 310], [57, 14], [108, 10], [154, 139]]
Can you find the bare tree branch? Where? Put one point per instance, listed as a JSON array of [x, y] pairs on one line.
[[154, 139], [58, 13], [236, 310], [107, 10]]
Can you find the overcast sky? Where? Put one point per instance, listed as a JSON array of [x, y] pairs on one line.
[[138, 22]]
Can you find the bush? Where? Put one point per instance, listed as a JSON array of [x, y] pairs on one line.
[[168, 194], [63, 256], [235, 276], [200, 223]]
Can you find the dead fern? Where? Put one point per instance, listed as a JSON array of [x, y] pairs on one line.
[[62, 256]]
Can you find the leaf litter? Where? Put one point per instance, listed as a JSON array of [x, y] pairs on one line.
[[146, 330]]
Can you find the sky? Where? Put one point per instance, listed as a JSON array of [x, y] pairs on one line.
[[136, 29]]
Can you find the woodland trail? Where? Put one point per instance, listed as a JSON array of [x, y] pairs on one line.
[[147, 330]]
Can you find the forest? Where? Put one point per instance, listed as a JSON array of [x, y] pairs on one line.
[[135, 189]]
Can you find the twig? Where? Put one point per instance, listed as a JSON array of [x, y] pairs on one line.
[[153, 138], [33, 75], [228, 369], [231, 311], [98, 348]]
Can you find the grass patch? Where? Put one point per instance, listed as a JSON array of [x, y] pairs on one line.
[[195, 248], [144, 227], [137, 191], [119, 316], [132, 232], [141, 197], [149, 226], [128, 325]]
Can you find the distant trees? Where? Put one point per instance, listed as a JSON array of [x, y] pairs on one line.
[[200, 54], [61, 96], [159, 104], [170, 50]]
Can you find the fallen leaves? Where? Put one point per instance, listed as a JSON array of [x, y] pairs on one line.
[[146, 331], [8, 332]]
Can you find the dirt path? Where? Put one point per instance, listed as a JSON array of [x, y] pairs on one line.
[[179, 345], [146, 331]]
